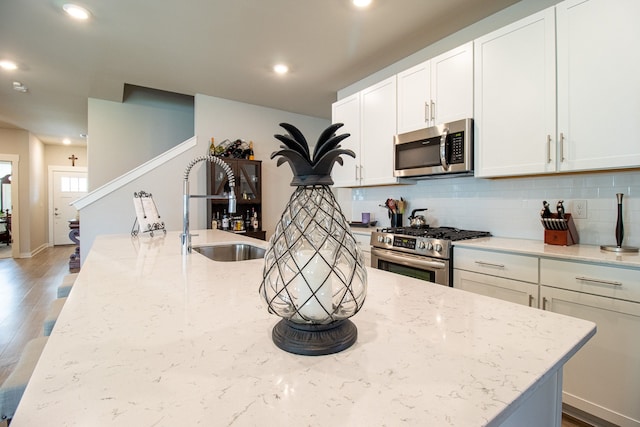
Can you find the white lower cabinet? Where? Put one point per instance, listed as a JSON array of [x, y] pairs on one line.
[[363, 240], [497, 287], [603, 378], [508, 277]]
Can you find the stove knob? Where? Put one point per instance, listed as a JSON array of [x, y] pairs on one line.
[[438, 247], [421, 245], [429, 246], [380, 239], [387, 240]]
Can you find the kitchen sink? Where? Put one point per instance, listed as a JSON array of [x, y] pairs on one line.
[[231, 252]]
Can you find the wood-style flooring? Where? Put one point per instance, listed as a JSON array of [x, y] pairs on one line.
[[27, 288]]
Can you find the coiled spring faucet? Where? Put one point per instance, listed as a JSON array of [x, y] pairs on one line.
[[185, 237]]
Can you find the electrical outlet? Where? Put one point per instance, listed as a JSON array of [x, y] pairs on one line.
[[579, 209]]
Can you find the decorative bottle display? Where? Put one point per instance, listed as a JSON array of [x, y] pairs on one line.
[[314, 274], [248, 188], [212, 147]]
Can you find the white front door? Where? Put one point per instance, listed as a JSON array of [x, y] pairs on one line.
[[68, 186]]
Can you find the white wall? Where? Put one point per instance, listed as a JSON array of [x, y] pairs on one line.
[[125, 135], [225, 119], [29, 229], [220, 118]]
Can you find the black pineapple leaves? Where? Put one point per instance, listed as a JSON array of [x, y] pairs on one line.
[[308, 170]]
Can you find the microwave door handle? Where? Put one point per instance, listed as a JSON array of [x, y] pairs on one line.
[[443, 149]]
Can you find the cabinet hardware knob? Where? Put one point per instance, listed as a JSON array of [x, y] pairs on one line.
[[548, 148], [544, 303]]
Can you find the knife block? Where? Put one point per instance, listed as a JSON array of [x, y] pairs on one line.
[[566, 237]]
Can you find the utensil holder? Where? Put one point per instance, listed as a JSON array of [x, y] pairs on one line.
[[396, 220], [560, 231]]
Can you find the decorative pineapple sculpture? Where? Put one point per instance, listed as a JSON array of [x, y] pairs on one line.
[[314, 275]]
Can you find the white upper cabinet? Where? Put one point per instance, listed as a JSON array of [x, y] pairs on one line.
[[436, 91], [378, 121], [515, 99], [347, 111], [598, 84], [414, 98], [370, 117]]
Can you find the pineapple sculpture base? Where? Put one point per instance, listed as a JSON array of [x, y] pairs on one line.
[[314, 275], [314, 340]]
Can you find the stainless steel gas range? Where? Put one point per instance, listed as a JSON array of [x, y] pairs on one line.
[[424, 253]]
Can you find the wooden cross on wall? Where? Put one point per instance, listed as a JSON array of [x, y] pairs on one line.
[[73, 159]]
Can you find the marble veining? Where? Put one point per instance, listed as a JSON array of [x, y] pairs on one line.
[[149, 337]]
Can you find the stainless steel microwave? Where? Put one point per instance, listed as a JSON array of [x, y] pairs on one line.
[[437, 150]]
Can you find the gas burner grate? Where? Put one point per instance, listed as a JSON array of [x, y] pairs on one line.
[[442, 233]]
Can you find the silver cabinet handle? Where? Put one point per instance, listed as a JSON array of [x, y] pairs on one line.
[[433, 110], [489, 264], [604, 282], [561, 147], [544, 303], [548, 148], [530, 300], [426, 112]]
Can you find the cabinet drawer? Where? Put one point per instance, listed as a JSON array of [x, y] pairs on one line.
[[363, 240], [609, 281], [497, 287], [501, 264]]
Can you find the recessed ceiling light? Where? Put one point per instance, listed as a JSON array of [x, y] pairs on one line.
[[8, 65], [361, 3], [66, 141], [19, 87], [281, 69], [76, 12]]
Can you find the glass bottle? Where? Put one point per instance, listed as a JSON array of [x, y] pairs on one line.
[[225, 220], [251, 156]]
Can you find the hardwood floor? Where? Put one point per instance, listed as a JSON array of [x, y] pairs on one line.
[[29, 285], [27, 289]]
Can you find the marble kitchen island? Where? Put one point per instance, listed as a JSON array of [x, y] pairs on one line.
[[148, 337]]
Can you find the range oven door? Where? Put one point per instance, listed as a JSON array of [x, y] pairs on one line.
[[419, 267]]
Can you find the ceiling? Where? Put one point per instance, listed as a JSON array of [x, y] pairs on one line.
[[222, 48]]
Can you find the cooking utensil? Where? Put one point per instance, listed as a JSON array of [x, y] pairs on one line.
[[619, 232], [417, 221]]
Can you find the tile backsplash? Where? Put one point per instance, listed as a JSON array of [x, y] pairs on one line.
[[510, 207]]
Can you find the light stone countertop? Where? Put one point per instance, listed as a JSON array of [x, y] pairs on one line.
[[148, 337], [586, 253]]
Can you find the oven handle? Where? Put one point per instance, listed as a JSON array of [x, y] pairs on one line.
[[414, 261]]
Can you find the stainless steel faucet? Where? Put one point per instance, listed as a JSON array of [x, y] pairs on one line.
[[185, 237]]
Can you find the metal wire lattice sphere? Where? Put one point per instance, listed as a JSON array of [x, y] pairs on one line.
[[314, 271]]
